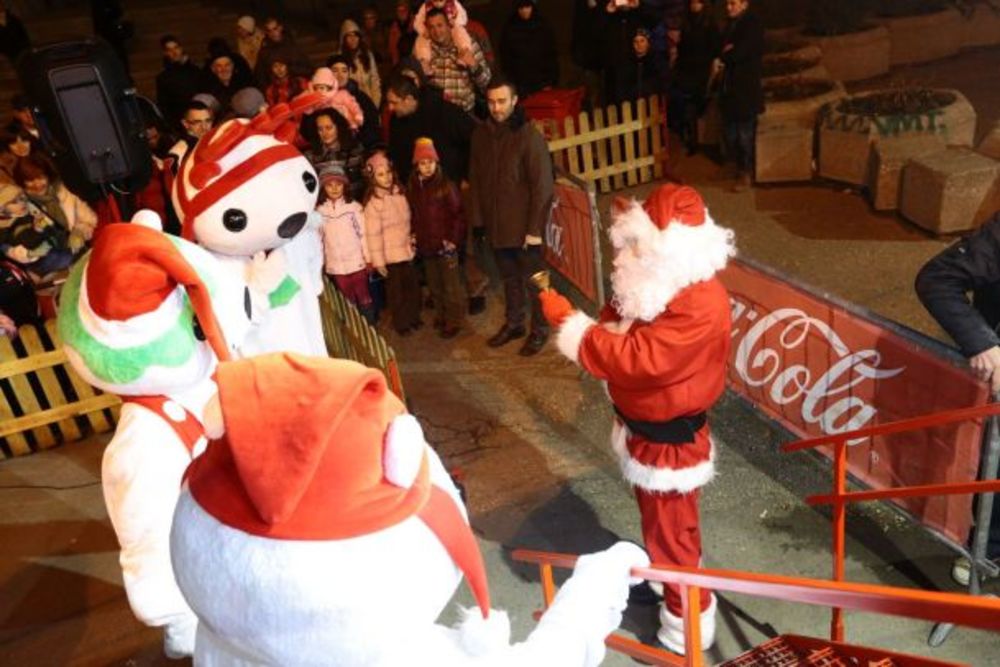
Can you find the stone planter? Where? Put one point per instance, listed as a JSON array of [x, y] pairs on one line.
[[806, 69], [949, 191], [990, 145], [981, 28], [807, 51], [803, 111], [784, 152], [855, 56], [920, 39], [888, 158], [846, 139]]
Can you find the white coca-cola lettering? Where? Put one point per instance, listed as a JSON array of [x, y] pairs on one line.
[[823, 399]]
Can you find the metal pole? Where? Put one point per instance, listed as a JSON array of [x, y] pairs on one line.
[[839, 532]]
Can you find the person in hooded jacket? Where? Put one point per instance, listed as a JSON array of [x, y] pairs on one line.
[[642, 75], [528, 49]]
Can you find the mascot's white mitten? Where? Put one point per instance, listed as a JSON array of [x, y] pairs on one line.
[[245, 189], [146, 316]]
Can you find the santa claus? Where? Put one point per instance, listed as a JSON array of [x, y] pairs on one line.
[[146, 316], [661, 346], [319, 528]]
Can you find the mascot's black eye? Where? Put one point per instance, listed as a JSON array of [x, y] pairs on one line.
[[199, 333], [234, 220], [309, 180], [247, 307]]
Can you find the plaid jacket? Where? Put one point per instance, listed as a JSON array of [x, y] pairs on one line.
[[458, 82]]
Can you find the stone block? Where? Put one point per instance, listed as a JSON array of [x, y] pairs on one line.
[[784, 152], [925, 37], [982, 27], [949, 191], [844, 150], [803, 110], [855, 56], [888, 157], [990, 145]]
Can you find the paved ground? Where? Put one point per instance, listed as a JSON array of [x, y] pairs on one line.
[[531, 438]]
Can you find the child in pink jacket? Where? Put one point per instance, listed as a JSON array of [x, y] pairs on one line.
[[457, 18], [391, 243], [345, 249]]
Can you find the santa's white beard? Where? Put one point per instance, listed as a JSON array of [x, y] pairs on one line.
[[643, 286]]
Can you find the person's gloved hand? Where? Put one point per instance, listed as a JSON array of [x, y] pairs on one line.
[[555, 307]]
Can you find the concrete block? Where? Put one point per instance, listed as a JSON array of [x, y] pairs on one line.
[[888, 157], [990, 145], [982, 27], [926, 37], [949, 191], [804, 110], [844, 148], [855, 56], [784, 152]]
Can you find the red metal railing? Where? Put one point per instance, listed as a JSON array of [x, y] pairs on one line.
[[967, 610], [840, 497]]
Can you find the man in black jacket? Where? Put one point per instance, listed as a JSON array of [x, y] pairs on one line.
[[971, 265], [179, 81], [741, 99]]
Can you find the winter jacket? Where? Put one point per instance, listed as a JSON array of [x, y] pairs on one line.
[[365, 73], [970, 265], [699, 45], [742, 96], [345, 249], [448, 125], [175, 86], [284, 91], [528, 53], [352, 160], [249, 46], [222, 92], [387, 225], [369, 133], [641, 77], [510, 175], [80, 218], [436, 215]]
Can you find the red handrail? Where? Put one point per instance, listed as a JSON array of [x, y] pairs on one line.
[[967, 610]]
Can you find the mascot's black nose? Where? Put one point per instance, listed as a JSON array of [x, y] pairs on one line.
[[291, 225]]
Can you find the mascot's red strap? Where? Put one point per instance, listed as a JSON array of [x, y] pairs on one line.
[[228, 182], [189, 429]]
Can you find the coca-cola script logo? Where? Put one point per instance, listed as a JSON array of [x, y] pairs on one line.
[[778, 365]]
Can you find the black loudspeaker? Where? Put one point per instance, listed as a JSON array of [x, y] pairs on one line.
[[88, 115]]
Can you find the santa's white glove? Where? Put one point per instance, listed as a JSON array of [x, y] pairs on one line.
[[593, 599], [266, 271]]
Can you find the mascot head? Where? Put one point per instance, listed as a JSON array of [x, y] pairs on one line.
[[244, 187], [145, 313], [324, 511], [661, 247]]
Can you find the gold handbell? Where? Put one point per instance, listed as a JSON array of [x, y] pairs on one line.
[[542, 280]]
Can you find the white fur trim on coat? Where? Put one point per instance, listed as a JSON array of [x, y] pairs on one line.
[[671, 633], [571, 334], [651, 478]]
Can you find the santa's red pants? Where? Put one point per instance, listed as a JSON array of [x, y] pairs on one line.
[[671, 531]]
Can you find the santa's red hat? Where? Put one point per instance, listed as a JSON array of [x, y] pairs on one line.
[[131, 286], [320, 449]]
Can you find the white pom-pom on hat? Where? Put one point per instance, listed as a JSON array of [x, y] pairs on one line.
[[148, 218], [404, 451]]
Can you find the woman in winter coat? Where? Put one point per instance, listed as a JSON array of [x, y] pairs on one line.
[[331, 141], [528, 50], [391, 243], [364, 69], [699, 45], [41, 184], [642, 75]]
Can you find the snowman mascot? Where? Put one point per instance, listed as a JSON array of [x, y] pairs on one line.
[[319, 528], [146, 316], [248, 196]]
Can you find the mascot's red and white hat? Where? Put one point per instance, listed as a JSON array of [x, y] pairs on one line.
[[320, 449], [125, 313]]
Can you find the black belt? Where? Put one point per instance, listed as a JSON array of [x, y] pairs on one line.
[[679, 431]]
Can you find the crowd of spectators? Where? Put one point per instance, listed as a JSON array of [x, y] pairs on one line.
[[412, 102]]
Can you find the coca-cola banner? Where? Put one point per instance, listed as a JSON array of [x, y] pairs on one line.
[[819, 368], [569, 238]]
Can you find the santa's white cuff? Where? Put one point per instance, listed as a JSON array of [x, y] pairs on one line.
[[571, 334]]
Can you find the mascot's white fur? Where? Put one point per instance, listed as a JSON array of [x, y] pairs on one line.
[[319, 528], [146, 316], [248, 195]]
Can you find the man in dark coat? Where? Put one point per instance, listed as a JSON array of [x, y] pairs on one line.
[[424, 113], [13, 37], [971, 265], [179, 81], [741, 96], [510, 177], [528, 50]]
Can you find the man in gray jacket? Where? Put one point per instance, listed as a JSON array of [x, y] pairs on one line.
[[510, 175]]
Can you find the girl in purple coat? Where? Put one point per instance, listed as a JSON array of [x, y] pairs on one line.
[[439, 226]]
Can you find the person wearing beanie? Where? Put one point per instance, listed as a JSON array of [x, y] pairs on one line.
[[249, 39], [147, 317], [390, 242], [361, 61], [225, 73], [369, 134], [339, 99], [661, 345], [30, 238], [346, 259], [511, 192], [528, 50], [439, 226], [317, 500], [643, 74], [248, 102]]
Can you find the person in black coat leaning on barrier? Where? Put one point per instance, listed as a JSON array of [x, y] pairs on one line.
[[943, 284]]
